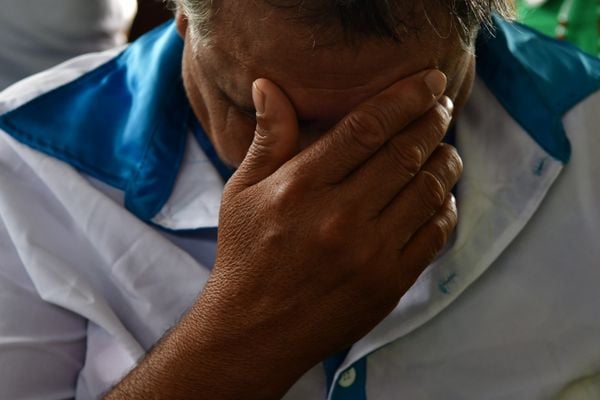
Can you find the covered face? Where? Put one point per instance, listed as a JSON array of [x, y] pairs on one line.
[[324, 74]]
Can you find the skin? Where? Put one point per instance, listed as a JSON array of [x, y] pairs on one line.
[[341, 199], [323, 85]]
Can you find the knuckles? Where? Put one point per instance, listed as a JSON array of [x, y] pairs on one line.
[[332, 231], [366, 127], [337, 235], [442, 226], [438, 120], [286, 194], [454, 159], [431, 190], [452, 163], [408, 152], [407, 157]]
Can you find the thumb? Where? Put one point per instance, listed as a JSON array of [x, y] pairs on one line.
[[275, 138]]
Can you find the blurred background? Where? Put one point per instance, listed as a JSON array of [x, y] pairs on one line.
[[576, 21], [151, 13], [34, 37]]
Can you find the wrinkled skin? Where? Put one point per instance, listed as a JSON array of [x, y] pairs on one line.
[[341, 199]]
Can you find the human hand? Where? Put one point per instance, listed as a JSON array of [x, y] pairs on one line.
[[315, 248]]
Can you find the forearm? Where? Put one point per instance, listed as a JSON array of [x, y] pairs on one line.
[[214, 354], [303, 237]]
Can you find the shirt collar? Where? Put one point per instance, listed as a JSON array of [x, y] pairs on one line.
[[126, 122], [525, 71]]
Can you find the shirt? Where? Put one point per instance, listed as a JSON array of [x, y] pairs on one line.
[[105, 232]]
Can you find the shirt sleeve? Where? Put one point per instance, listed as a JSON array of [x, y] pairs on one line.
[[42, 346]]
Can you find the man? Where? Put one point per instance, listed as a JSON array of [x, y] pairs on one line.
[[332, 114]]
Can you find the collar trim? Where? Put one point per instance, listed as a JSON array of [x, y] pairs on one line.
[[136, 147], [526, 72]]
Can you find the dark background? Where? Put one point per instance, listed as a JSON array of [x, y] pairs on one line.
[[151, 13]]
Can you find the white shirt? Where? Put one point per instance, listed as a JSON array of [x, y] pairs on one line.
[[511, 311], [36, 35]]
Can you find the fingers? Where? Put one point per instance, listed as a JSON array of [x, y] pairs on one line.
[[383, 176], [368, 127], [423, 197], [276, 136], [426, 243]]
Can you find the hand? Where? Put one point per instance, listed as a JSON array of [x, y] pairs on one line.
[[316, 248]]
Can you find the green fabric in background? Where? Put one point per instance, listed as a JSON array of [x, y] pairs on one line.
[[583, 21]]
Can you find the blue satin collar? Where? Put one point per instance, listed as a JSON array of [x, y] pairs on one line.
[[126, 122], [537, 80]]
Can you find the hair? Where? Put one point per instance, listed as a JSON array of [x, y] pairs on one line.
[[393, 19]]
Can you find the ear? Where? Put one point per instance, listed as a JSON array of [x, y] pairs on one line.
[[181, 22]]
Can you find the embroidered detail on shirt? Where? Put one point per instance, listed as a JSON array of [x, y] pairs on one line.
[[444, 285], [540, 167]]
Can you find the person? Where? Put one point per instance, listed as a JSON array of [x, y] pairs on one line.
[[34, 38], [336, 271], [576, 21]]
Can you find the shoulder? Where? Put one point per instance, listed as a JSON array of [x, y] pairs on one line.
[[537, 80], [13, 153], [36, 85], [559, 72], [28, 175]]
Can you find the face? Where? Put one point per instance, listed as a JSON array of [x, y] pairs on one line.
[[250, 40]]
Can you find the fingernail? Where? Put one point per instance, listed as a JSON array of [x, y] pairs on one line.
[[436, 82], [258, 97], [448, 104]]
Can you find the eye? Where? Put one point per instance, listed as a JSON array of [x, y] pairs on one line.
[[246, 112]]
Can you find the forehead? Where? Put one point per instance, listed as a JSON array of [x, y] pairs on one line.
[[323, 76]]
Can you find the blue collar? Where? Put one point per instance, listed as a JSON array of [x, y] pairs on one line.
[[126, 122], [537, 80]]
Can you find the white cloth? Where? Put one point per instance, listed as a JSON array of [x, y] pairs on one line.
[[511, 311], [36, 35]]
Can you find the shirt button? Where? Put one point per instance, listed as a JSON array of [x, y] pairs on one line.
[[348, 378]]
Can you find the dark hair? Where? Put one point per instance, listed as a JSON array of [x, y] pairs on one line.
[[374, 18]]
